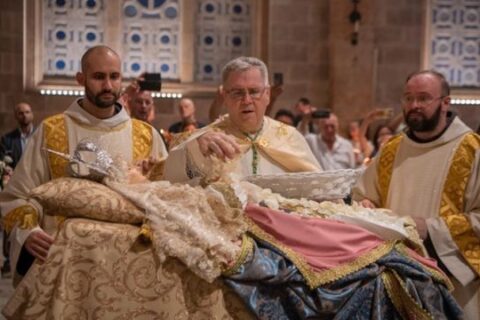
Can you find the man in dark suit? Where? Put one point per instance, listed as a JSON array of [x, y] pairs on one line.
[[188, 122], [12, 144]]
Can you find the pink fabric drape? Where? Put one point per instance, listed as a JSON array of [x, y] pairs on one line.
[[323, 243]]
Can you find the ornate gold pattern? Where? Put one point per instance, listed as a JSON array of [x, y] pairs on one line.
[[145, 232], [414, 240], [385, 167], [72, 197], [315, 278], [156, 171], [282, 130], [452, 203], [59, 220], [262, 142], [401, 299], [56, 139], [228, 194], [92, 272], [26, 216], [245, 251], [142, 138], [453, 194]]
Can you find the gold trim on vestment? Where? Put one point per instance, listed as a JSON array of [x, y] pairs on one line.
[[406, 306], [142, 140], [453, 194], [228, 194], [56, 139], [26, 216], [282, 130], [385, 167], [246, 249], [413, 238], [314, 278], [453, 197], [437, 275]]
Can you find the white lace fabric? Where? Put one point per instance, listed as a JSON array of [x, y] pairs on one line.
[[326, 185], [202, 227], [192, 224], [382, 222]]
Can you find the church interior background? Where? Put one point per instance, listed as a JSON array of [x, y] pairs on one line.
[[349, 56]]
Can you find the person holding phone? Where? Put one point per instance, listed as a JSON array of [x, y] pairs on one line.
[[137, 96], [304, 114], [141, 106]]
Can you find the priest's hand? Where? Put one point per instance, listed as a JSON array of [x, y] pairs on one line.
[[218, 143], [38, 243], [421, 227], [367, 204]]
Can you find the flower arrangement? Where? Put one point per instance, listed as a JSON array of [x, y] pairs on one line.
[[5, 170]]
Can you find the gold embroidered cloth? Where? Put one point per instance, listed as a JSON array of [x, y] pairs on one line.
[[453, 193], [96, 270]]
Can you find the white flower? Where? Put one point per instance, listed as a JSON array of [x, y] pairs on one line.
[[7, 159]]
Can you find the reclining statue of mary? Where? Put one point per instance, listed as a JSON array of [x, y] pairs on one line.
[[130, 248]]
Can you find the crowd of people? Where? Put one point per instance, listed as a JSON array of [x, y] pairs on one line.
[[422, 164], [321, 127]]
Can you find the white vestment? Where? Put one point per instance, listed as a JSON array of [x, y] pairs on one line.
[[280, 148], [416, 186], [34, 168]]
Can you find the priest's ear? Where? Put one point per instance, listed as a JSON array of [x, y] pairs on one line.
[[445, 103], [80, 77]]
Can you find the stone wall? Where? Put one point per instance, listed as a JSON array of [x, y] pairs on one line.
[[10, 60], [298, 48], [371, 74]]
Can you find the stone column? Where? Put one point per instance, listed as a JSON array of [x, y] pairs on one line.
[[352, 78]]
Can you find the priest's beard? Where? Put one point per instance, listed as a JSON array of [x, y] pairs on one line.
[[418, 122], [97, 100]]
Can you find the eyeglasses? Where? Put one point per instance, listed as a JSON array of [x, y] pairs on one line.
[[239, 94], [422, 99]]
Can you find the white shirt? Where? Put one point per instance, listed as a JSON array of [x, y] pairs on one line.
[[339, 157]]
